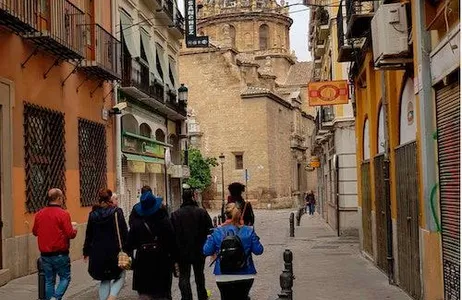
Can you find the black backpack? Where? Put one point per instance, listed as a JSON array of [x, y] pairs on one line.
[[232, 255]]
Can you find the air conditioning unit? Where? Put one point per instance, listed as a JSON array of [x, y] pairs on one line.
[[390, 34]]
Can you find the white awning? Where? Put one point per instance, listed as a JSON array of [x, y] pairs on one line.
[[164, 64], [151, 56], [128, 32], [172, 65]]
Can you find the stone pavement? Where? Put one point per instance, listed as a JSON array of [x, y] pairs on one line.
[[326, 267]]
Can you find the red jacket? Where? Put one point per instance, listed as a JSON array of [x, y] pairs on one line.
[[53, 228]]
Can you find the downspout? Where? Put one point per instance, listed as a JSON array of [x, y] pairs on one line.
[[337, 196], [386, 178], [118, 125]]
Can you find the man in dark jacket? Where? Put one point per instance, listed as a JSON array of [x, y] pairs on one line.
[[192, 225], [235, 196]]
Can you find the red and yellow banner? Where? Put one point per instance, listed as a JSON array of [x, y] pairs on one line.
[[328, 93]]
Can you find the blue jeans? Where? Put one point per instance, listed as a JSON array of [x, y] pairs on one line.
[[59, 265], [111, 287]]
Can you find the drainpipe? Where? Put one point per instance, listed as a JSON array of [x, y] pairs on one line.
[[337, 197], [386, 178], [118, 125]]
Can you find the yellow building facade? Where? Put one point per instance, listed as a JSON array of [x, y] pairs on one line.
[[407, 140], [334, 139]]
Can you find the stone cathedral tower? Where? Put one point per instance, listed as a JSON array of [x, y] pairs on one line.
[[247, 101], [256, 28]]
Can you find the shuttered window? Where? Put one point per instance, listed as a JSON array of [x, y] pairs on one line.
[[448, 124]]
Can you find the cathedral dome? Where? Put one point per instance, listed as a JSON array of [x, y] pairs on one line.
[[260, 27]]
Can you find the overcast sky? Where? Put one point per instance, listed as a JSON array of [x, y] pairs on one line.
[[298, 31]]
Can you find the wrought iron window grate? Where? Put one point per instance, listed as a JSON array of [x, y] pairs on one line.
[[44, 154], [92, 160]]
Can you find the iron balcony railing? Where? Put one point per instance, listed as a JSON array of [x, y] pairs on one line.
[[340, 26], [19, 15], [179, 22], [327, 114], [169, 7], [174, 104], [59, 31], [135, 74], [358, 7], [104, 53]]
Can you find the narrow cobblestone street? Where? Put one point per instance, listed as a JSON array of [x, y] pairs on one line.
[[325, 266]]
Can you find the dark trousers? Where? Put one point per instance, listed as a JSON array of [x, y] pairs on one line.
[[311, 208], [235, 290], [185, 280]]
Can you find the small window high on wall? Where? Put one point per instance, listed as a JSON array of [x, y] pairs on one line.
[[264, 37], [407, 122], [366, 141]]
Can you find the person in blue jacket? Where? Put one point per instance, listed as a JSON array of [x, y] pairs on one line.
[[235, 286]]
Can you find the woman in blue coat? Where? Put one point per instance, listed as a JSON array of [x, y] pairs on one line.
[[234, 285]]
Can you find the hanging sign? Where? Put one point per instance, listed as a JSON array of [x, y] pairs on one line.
[[192, 40], [328, 93]]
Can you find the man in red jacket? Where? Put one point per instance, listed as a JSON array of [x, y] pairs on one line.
[[54, 230]]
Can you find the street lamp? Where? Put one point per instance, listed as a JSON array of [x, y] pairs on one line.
[[183, 93], [222, 161]]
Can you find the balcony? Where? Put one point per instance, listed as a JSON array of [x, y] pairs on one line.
[[138, 83], [320, 50], [179, 22], [19, 16], [348, 49], [327, 117], [136, 78], [103, 55], [359, 15], [58, 29]]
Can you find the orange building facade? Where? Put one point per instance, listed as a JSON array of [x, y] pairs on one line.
[[58, 60]]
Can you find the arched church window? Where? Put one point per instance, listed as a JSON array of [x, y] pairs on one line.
[[264, 37], [232, 35]]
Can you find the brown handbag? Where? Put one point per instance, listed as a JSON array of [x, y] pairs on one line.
[[124, 261]]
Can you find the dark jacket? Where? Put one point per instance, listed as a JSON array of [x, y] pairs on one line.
[[192, 225], [101, 242], [249, 217], [152, 273], [310, 199]]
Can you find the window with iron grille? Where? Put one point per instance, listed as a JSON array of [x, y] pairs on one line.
[[92, 161], [44, 154]]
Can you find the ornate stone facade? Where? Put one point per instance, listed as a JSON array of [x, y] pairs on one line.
[[246, 103]]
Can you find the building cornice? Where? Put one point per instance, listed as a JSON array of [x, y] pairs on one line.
[[269, 95], [244, 16]]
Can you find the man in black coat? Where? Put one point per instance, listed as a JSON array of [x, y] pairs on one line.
[[192, 225]]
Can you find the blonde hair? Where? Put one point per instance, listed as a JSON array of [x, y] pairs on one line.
[[233, 213]]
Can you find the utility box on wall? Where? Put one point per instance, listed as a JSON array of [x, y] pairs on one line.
[[390, 37]]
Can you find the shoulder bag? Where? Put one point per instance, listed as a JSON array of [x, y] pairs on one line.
[[124, 261]]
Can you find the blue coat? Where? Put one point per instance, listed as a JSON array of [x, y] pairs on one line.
[[250, 241]]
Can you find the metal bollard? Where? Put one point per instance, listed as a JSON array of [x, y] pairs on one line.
[[41, 280], [215, 222], [298, 217], [219, 220], [291, 225], [286, 279]]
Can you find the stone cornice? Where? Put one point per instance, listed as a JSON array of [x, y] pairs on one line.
[[247, 16]]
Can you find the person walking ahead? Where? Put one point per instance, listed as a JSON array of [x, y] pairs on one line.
[[234, 244], [311, 202], [54, 230], [151, 235], [106, 224], [235, 196], [192, 225]]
